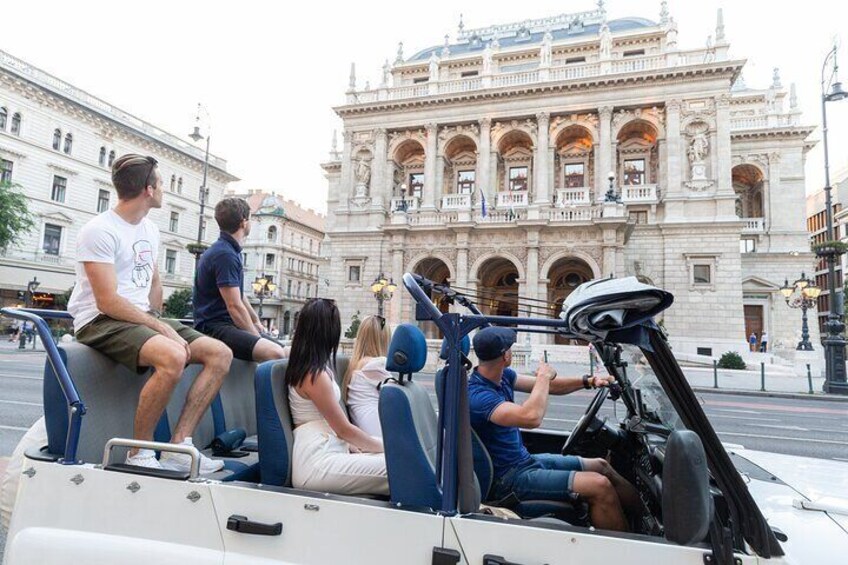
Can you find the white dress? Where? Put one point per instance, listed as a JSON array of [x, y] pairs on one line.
[[363, 396], [323, 462]]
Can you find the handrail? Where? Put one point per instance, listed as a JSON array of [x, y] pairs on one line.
[[77, 408]]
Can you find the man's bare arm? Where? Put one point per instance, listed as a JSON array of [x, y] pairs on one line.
[[253, 316], [232, 296], [155, 295], [530, 413]]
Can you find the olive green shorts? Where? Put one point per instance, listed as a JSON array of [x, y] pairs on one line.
[[121, 341]]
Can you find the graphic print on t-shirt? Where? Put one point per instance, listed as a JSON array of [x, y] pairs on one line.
[[143, 263]]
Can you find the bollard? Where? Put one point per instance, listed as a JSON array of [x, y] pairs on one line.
[[22, 340], [591, 362], [809, 379], [546, 355], [715, 373], [762, 377]]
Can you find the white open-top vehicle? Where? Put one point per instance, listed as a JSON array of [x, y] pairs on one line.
[[78, 504]]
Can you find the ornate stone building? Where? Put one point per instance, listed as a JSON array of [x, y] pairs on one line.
[[58, 143], [529, 157]]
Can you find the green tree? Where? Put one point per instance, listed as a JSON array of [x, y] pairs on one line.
[[63, 299], [178, 305], [354, 326], [15, 217]]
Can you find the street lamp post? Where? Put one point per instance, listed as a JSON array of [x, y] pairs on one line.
[[611, 196], [28, 303], [204, 190], [834, 343], [802, 294], [383, 288], [263, 287]]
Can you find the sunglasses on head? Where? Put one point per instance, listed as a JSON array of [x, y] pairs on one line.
[[140, 160], [382, 321], [325, 300]]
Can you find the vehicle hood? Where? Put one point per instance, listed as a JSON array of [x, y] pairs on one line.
[[803, 497]]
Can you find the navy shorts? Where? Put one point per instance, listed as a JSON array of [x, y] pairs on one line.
[[543, 477], [240, 341]]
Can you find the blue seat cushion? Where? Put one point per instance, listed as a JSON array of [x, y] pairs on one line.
[[408, 350]]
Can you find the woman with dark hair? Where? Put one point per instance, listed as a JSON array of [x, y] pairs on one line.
[[330, 454]]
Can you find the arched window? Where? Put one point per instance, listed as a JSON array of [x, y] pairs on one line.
[[272, 233], [287, 323], [16, 123], [69, 143], [111, 157], [180, 185], [173, 182], [102, 159], [57, 138], [296, 316], [3, 115]]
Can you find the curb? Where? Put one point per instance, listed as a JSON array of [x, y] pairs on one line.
[[771, 394]]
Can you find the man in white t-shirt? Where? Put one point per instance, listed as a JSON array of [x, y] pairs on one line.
[[116, 303]]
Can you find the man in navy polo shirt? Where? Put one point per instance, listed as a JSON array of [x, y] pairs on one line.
[[497, 419], [221, 309]]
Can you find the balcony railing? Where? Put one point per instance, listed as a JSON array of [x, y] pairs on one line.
[[501, 216], [456, 202], [754, 225], [568, 196], [581, 214], [432, 218], [512, 198], [639, 194], [408, 204]]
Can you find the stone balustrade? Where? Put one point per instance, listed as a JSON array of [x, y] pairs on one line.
[[639, 194], [406, 204], [513, 198], [754, 225], [572, 196], [456, 202], [576, 214]]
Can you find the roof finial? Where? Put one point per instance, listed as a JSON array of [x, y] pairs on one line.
[[663, 13], [387, 71], [719, 32], [602, 8], [775, 79], [399, 58], [461, 26], [334, 148], [793, 97], [446, 47], [352, 82]]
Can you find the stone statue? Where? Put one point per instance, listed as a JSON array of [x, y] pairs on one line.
[[671, 34], [738, 207], [546, 52], [363, 176], [434, 67], [606, 41], [487, 60], [699, 148], [387, 73]]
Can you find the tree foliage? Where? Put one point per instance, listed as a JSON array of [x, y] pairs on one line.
[[15, 217], [354, 326], [731, 360], [178, 305]]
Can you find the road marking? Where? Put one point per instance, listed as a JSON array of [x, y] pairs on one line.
[[793, 428], [22, 403], [778, 408], [784, 438], [839, 458], [8, 376], [561, 420], [736, 411], [14, 428]]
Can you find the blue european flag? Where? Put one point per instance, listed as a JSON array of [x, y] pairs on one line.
[[483, 203]]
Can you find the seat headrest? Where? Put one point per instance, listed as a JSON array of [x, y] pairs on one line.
[[408, 350], [464, 346]]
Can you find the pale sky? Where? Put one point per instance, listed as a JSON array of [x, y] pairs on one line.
[[270, 72]]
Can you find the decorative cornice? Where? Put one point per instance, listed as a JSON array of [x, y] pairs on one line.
[[62, 169]]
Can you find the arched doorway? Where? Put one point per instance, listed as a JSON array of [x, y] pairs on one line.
[[408, 170], [460, 179], [564, 276], [574, 166], [498, 287], [638, 160], [515, 170], [748, 186], [436, 270], [287, 323]]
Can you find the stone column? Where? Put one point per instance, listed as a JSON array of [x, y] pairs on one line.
[[532, 266], [346, 184], [605, 158], [609, 244], [440, 178], [379, 197], [484, 159], [540, 166], [723, 151], [399, 297], [674, 165], [430, 167], [462, 259]]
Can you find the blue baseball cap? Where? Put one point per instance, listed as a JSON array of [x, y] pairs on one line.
[[492, 342]]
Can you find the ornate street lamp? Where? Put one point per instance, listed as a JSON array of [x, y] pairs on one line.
[[383, 288], [263, 287], [802, 294], [32, 286], [611, 196], [834, 344], [196, 136]]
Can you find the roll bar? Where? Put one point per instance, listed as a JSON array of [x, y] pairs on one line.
[[75, 405]]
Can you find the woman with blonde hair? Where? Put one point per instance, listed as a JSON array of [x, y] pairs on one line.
[[367, 369]]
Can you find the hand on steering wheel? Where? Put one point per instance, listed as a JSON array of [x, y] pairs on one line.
[[584, 421]]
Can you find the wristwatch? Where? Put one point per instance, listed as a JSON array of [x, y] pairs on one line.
[[553, 377], [587, 382]]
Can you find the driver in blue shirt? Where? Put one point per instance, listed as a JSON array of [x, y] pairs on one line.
[[497, 418]]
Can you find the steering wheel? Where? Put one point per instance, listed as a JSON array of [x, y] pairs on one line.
[[584, 421]]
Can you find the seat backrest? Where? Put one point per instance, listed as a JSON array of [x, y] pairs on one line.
[[274, 425], [110, 393]]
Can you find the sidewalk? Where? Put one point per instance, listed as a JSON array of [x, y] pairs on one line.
[[7, 346]]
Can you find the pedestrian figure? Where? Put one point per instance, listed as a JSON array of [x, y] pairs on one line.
[[752, 341], [763, 342]]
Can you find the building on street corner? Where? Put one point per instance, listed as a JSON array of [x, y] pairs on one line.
[[529, 157], [58, 143]]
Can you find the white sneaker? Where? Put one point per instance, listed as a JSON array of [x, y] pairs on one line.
[[182, 461], [144, 458]]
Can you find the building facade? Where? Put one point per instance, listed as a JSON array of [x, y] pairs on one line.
[[530, 157], [57, 143], [284, 246], [817, 228]]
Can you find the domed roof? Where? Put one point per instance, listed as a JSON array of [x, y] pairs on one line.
[[477, 44], [272, 206]]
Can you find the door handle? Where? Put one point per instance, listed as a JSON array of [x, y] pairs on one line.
[[242, 525], [496, 560]]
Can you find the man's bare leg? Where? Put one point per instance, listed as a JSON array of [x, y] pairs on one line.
[[215, 358], [627, 493], [168, 360], [604, 507], [267, 350]]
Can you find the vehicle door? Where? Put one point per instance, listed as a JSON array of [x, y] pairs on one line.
[[270, 526]]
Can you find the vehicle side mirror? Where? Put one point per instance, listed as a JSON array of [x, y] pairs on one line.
[[687, 505]]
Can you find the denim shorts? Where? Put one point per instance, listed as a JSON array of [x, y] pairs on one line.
[[543, 477]]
